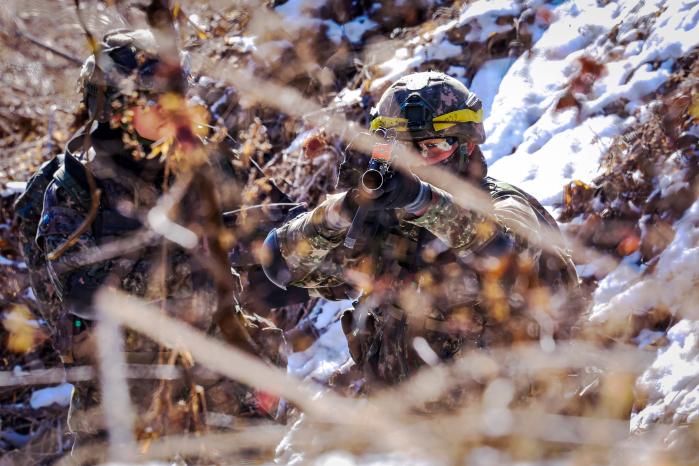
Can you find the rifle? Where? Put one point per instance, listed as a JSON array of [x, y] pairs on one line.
[[372, 183]]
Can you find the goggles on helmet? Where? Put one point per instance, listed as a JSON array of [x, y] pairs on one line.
[[439, 123]]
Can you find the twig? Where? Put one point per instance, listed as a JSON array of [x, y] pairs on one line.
[[50, 48], [263, 436], [83, 373], [118, 411]]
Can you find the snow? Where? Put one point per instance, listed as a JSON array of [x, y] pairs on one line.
[[348, 97], [10, 263], [243, 44], [486, 82], [434, 45], [29, 293], [299, 9], [355, 29], [60, 394], [671, 179], [340, 458], [672, 285], [330, 352], [533, 82], [459, 72], [672, 381], [533, 146], [333, 31], [300, 14], [13, 187], [647, 338], [482, 17], [557, 151]]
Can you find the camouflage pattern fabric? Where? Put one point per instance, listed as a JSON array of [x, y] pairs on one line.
[[165, 275], [28, 209], [443, 94], [450, 276]]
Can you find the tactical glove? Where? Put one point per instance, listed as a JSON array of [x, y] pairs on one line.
[[401, 190]]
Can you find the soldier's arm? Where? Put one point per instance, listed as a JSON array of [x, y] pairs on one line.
[[74, 284], [466, 229], [303, 244]]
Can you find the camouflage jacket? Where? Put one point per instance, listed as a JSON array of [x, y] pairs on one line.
[[162, 273], [450, 275], [114, 250], [311, 244]]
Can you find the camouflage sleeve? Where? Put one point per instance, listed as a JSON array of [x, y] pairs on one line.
[[74, 285], [455, 226], [306, 241], [466, 229]]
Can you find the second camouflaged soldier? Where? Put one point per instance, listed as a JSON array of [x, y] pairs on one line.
[[432, 272], [135, 99]]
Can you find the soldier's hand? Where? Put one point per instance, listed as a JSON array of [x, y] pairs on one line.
[[401, 190]]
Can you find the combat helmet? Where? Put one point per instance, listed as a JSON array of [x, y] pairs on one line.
[[127, 63], [430, 105]]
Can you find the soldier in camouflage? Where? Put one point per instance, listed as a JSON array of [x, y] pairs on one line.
[[124, 84], [433, 271]]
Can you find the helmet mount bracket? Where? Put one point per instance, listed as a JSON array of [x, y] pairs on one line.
[[418, 112]]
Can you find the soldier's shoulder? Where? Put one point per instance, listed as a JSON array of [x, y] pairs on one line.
[[61, 214], [29, 204], [502, 189]]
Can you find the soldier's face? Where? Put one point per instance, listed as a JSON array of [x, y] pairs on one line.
[[436, 150], [150, 122]]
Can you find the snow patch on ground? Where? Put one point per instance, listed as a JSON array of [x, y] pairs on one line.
[[671, 285], [486, 82], [298, 10], [672, 177], [13, 187], [355, 29], [347, 97], [672, 381], [60, 394], [10, 263], [243, 44], [434, 45], [531, 145], [345, 459], [482, 17], [300, 14], [329, 352]]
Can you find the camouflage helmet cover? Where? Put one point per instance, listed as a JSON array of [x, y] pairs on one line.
[[125, 63], [428, 105]]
